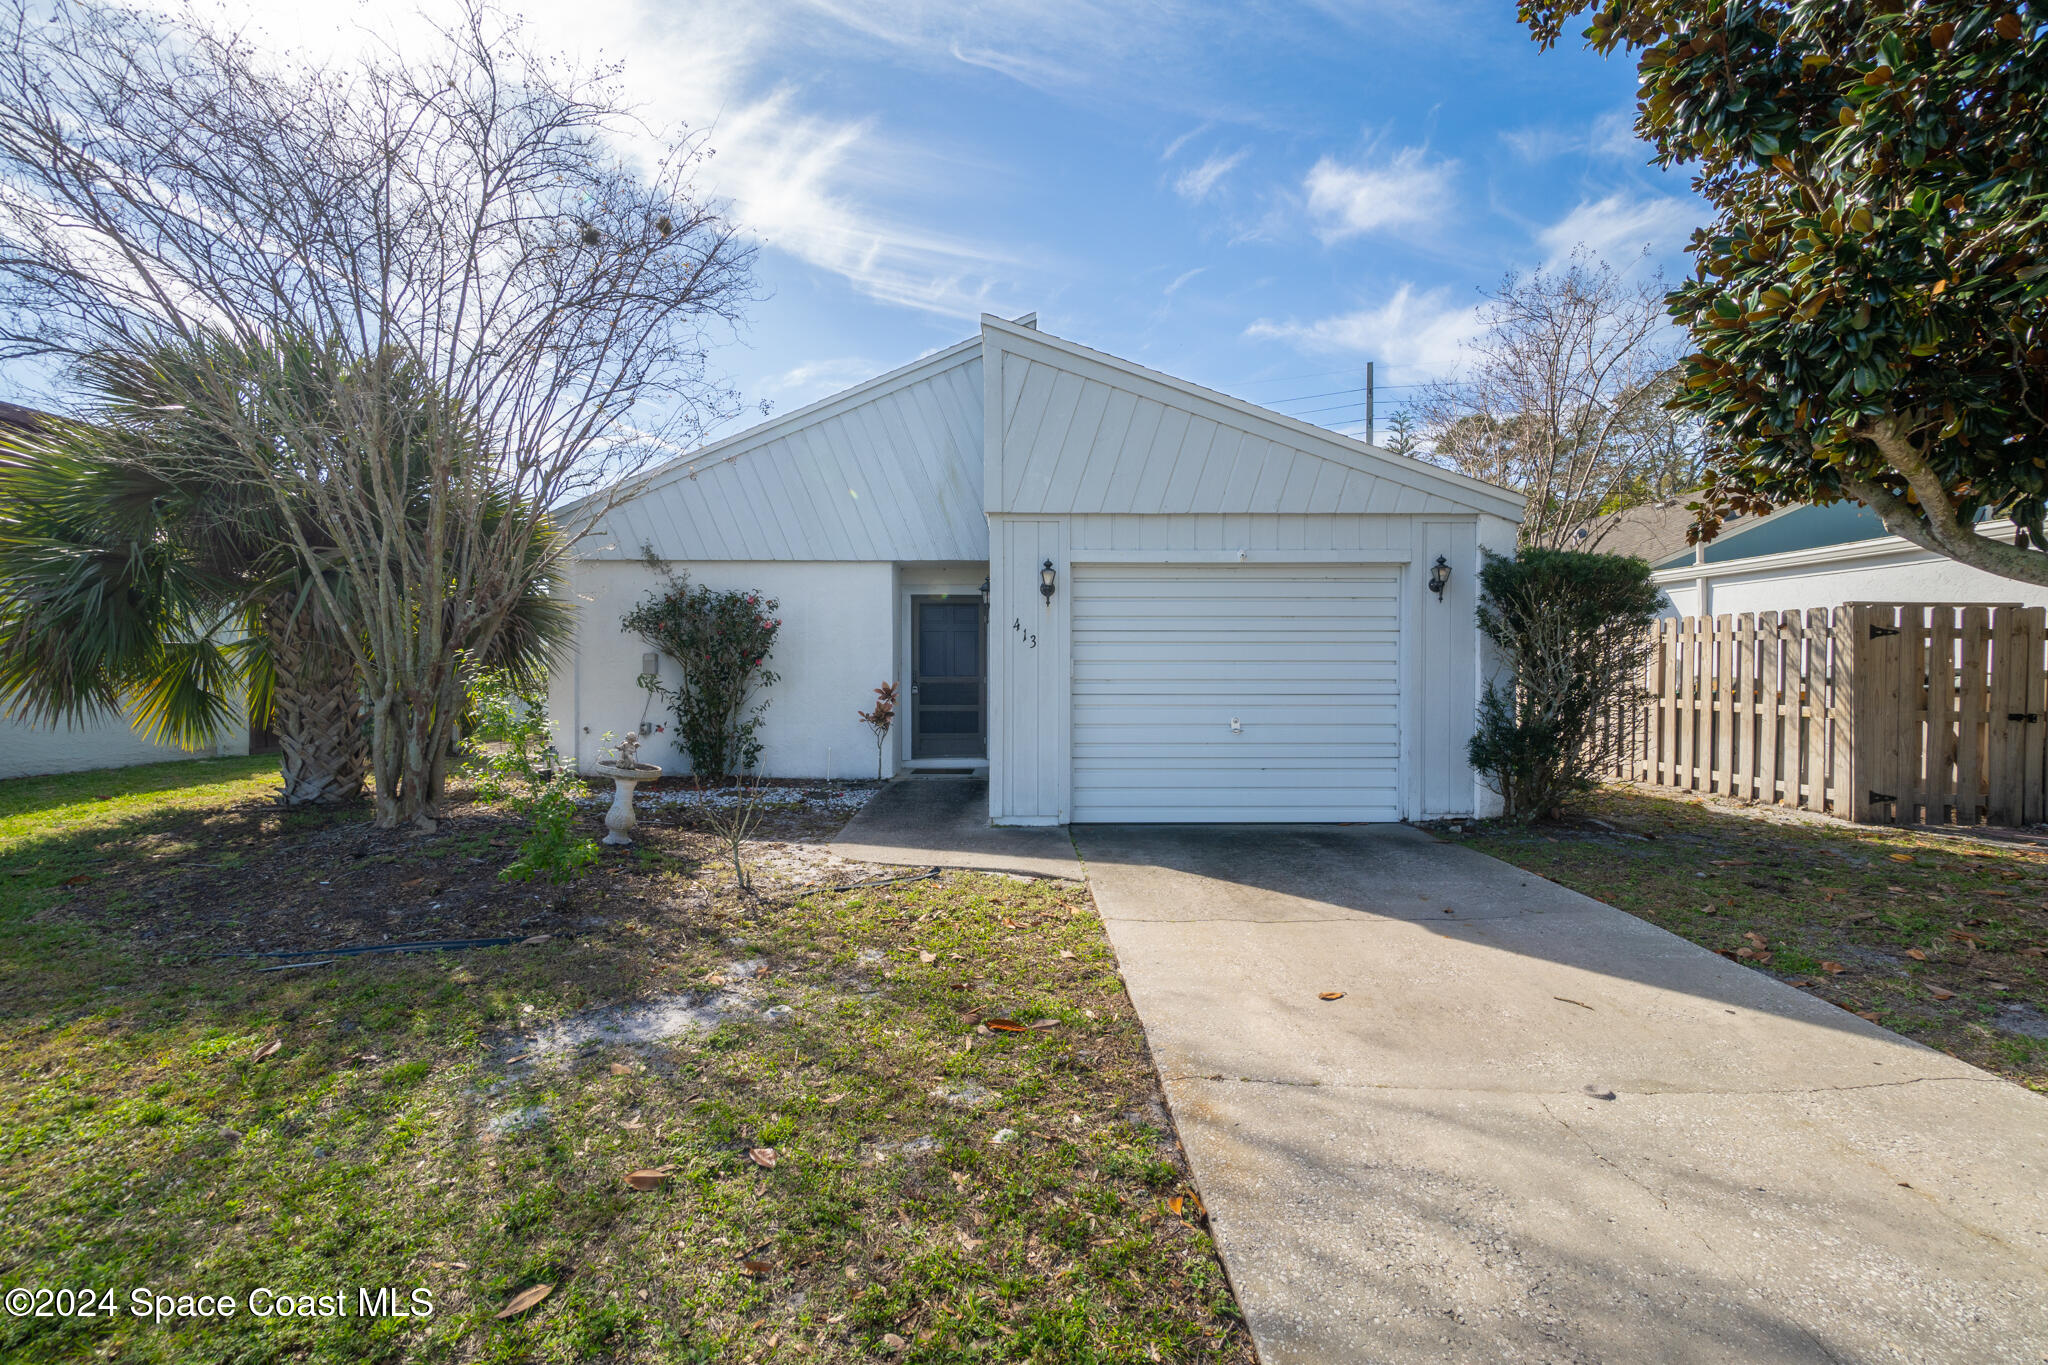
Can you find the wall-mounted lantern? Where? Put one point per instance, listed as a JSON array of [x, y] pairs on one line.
[[1046, 580], [984, 592], [1439, 577]]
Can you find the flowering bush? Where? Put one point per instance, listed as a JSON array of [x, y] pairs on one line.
[[721, 640]]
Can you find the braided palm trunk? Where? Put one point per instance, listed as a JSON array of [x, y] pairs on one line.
[[318, 716]]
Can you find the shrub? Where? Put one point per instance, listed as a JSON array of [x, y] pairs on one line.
[[500, 706], [1573, 632], [541, 788], [721, 640]]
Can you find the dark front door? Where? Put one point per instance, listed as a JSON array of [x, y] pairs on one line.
[[949, 679]]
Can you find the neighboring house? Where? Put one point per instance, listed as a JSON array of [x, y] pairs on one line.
[[1810, 556], [1131, 598], [106, 742]]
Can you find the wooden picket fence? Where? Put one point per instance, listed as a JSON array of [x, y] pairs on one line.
[[1880, 713]]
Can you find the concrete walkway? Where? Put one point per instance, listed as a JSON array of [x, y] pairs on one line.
[[943, 822], [1429, 1169]]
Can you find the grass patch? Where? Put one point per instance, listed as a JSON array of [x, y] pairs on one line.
[[938, 1192], [1943, 939]]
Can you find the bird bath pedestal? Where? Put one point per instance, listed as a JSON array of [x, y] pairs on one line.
[[625, 776]]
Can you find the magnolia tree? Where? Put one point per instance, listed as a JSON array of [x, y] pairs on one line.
[[1869, 310], [459, 215]]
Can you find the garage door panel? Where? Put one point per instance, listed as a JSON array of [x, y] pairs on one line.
[[1305, 659]]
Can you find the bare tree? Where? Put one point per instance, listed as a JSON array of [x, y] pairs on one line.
[[1560, 394], [467, 233]]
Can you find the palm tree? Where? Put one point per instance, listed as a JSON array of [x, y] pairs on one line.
[[138, 567]]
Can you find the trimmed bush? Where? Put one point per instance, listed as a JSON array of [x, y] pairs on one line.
[[1573, 634], [721, 639]]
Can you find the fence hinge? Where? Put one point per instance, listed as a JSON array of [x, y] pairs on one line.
[[2028, 716], [1878, 798], [1879, 632]]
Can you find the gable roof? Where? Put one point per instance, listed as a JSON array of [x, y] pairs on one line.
[[904, 466], [887, 470], [1653, 531], [1073, 430]]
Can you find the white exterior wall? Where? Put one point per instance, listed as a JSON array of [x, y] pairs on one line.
[[31, 750], [837, 642], [1884, 570], [1031, 711], [1093, 460]]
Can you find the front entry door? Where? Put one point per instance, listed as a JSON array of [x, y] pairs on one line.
[[949, 679]]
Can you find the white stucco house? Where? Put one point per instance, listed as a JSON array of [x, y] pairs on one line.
[[1124, 596], [1805, 557]]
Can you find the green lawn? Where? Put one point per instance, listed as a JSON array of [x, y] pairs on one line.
[[1944, 939], [938, 1192]]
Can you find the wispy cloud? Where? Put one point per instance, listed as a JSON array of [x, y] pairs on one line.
[[1181, 279], [1198, 182], [1348, 200], [1415, 335], [1611, 135], [1621, 226]]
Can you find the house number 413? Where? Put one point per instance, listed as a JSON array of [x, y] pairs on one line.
[[1030, 637]]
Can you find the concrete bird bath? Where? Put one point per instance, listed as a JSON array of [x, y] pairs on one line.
[[626, 773]]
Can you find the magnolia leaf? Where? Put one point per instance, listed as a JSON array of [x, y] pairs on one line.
[[525, 1299], [762, 1156]]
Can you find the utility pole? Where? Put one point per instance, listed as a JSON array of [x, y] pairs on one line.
[[1368, 402]]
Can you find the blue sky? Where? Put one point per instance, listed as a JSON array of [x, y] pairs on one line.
[[1256, 197]]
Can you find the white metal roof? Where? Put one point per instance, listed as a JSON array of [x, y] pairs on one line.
[[1085, 432], [903, 467]]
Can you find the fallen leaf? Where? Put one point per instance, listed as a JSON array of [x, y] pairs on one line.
[[1939, 994], [1745, 952], [834, 1099], [269, 1049], [621, 1069], [756, 1268], [1833, 968], [1902, 857], [80, 880], [647, 1180], [762, 1156], [852, 1273], [525, 1299], [1066, 952], [1002, 1026], [1871, 1015], [1011, 924], [927, 957], [1958, 936], [1331, 995], [971, 1243], [893, 1343], [2034, 951], [1708, 910], [537, 938], [1174, 1205], [1045, 1023], [1917, 954], [1754, 937]]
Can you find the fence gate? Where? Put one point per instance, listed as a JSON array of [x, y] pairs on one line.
[[1894, 712]]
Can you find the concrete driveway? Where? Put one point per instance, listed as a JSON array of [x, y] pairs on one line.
[[1430, 1169]]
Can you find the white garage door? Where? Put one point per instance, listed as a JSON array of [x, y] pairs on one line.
[[1235, 693]]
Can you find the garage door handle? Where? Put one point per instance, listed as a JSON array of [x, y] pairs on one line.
[[1236, 726]]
